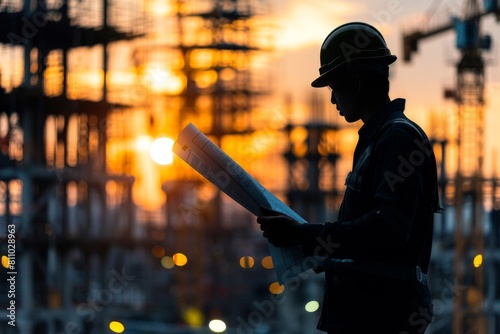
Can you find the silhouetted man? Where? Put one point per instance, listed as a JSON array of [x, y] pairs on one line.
[[375, 280]]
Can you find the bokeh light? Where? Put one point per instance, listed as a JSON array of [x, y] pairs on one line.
[[267, 262], [167, 262], [478, 260], [116, 327], [158, 251], [5, 261], [247, 262], [193, 317], [180, 259], [217, 326], [276, 288], [312, 306]]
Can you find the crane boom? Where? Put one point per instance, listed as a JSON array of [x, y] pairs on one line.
[[411, 38]]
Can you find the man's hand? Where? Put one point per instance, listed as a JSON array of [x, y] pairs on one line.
[[280, 230]]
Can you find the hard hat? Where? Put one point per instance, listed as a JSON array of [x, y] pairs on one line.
[[351, 42]]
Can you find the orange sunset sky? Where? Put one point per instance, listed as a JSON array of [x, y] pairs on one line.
[[295, 30], [303, 25]]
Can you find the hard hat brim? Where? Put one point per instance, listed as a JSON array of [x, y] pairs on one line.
[[325, 79]]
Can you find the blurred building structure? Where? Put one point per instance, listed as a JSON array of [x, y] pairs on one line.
[[465, 269], [77, 246], [103, 234], [88, 86]]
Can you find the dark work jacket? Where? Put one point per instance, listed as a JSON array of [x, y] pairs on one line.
[[385, 219]]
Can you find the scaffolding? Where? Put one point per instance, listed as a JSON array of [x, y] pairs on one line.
[[213, 56], [82, 78], [464, 267], [69, 215]]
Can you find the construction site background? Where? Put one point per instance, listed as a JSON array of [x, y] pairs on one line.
[[101, 233]]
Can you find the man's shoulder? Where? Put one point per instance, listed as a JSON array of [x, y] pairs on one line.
[[397, 124]]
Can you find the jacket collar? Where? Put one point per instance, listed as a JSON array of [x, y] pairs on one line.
[[369, 129]]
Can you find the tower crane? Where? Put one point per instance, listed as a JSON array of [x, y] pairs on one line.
[[469, 314]]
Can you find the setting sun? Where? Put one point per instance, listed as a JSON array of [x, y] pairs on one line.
[[161, 151]]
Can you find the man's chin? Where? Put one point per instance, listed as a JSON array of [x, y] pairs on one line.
[[351, 120]]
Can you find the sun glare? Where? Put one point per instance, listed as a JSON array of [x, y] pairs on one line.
[[305, 31], [163, 80], [161, 151], [160, 8], [143, 143]]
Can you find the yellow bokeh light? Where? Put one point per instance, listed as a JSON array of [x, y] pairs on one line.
[[5, 261], [267, 262], [298, 137], [202, 58], [227, 74], [180, 259], [276, 288], [158, 251], [116, 327], [247, 262], [167, 262], [193, 317], [478, 260], [298, 133], [161, 151], [347, 139], [53, 80], [205, 79], [312, 306]]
